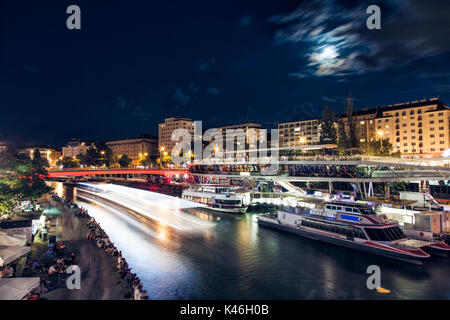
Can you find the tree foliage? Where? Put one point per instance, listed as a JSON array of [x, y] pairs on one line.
[[68, 162], [38, 160], [379, 148], [348, 130], [124, 161], [97, 156], [328, 129], [164, 160], [21, 178], [149, 161]]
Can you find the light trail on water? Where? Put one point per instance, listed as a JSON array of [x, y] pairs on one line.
[[168, 212]]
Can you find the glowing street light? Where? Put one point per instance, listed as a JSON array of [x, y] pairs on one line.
[[380, 134]]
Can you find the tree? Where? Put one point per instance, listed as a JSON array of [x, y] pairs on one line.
[[348, 131], [20, 178], [38, 160], [149, 160], [328, 129], [92, 157], [352, 133], [343, 141], [124, 161], [379, 148], [68, 162], [164, 159], [105, 155]]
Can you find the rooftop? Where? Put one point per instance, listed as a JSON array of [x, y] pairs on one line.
[[400, 106]]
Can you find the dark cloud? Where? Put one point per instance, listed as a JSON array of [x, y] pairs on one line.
[[204, 64], [180, 97], [213, 91], [245, 21], [339, 42]]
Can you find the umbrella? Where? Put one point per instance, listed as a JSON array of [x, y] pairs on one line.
[[17, 288], [11, 249]]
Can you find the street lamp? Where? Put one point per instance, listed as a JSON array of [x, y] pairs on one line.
[[380, 133]]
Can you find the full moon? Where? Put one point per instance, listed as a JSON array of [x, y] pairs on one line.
[[329, 53]]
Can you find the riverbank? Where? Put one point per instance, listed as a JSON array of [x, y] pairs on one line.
[[99, 277]]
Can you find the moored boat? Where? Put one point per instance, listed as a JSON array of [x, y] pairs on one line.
[[353, 226], [217, 198]]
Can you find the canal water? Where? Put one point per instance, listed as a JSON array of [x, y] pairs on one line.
[[234, 258]]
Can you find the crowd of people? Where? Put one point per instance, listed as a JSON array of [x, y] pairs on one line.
[[100, 239], [51, 267]]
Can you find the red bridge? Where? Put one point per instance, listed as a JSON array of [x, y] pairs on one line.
[[168, 173]]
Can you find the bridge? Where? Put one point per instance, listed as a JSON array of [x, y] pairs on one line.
[[354, 170], [68, 173], [320, 169]]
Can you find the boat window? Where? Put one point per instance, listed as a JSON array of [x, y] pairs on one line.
[[328, 207], [333, 207], [349, 231], [391, 236], [355, 210], [367, 211], [357, 233], [230, 202], [398, 232], [387, 234], [339, 208], [373, 234], [348, 210]]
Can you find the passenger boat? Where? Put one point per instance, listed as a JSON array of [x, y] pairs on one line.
[[217, 198], [353, 226]]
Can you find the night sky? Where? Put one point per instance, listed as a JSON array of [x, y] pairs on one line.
[[134, 63]]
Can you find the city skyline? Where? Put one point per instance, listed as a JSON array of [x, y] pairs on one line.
[[268, 63]]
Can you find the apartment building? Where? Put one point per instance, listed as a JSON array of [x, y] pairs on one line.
[[135, 149], [74, 147], [417, 128], [166, 129], [244, 127], [299, 133]]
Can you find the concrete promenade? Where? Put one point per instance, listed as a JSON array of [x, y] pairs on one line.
[[99, 280]]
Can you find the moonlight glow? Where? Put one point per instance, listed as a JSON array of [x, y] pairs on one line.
[[328, 53]]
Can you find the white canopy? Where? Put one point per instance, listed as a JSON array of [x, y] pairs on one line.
[[11, 249], [17, 288]]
